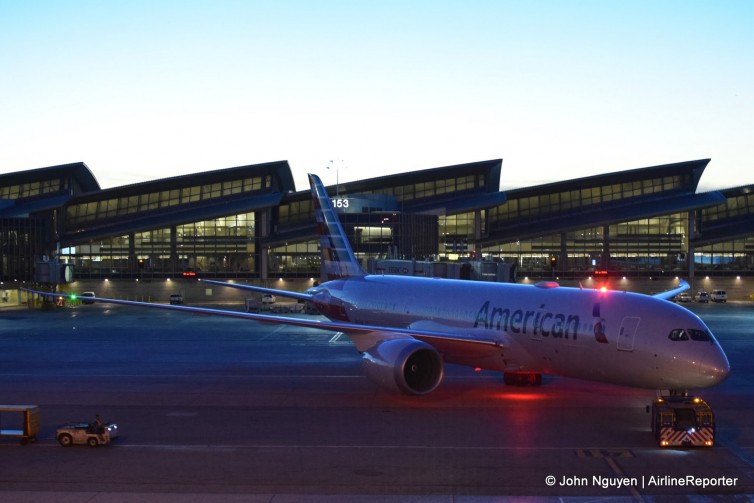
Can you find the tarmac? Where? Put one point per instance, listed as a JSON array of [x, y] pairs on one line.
[[214, 409]]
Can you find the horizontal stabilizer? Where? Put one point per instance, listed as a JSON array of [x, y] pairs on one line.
[[682, 287]]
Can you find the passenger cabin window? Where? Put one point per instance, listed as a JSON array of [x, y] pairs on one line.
[[678, 334]]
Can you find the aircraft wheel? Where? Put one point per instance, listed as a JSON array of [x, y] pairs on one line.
[[65, 440], [535, 379], [509, 379], [522, 378]]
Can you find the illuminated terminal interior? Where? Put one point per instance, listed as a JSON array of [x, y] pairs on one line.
[[250, 223]]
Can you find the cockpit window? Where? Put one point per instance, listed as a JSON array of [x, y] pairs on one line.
[[678, 334], [698, 335]]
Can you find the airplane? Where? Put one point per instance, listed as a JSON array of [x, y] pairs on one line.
[[408, 328]]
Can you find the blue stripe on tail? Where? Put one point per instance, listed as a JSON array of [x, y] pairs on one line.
[[338, 259]]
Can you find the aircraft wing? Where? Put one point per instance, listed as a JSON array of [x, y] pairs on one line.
[[261, 289], [363, 336], [672, 293]]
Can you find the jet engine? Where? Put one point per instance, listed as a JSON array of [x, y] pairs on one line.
[[408, 365]]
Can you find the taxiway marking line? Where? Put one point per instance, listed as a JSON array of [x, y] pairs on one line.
[[614, 466]]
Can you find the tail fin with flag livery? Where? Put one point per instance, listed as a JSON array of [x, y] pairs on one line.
[[338, 258]]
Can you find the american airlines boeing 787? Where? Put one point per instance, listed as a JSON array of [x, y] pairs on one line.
[[407, 328]]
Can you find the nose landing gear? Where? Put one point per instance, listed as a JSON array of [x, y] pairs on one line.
[[522, 378]]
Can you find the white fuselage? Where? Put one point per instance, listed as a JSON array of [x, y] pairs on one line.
[[616, 337]]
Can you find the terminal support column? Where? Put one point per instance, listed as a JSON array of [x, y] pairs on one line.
[[478, 234], [132, 262], [262, 230], [691, 232], [173, 249]]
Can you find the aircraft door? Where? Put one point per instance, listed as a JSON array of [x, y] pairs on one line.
[[627, 333]]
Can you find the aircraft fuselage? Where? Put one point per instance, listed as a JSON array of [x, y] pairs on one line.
[[611, 336]]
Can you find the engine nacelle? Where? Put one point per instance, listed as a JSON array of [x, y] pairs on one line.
[[408, 365]]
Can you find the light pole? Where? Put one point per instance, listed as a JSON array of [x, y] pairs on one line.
[[337, 175]]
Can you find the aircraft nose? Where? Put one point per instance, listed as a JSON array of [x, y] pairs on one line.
[[715, 367]]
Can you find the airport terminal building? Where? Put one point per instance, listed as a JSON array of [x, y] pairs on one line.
[[251, 223]]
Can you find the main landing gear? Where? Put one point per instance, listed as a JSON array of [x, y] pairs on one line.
[[522, 378]]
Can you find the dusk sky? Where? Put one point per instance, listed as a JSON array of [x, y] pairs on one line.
[[142, 90]]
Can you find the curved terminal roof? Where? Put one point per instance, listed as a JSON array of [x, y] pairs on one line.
[[733, 218], [77, 172], [489, 169], [689, 171], [176, 200], [482, 193], [600, 200], [280, 171], [604, 199], [25, 193]]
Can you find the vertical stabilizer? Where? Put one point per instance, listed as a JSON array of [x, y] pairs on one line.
[[338, 259]]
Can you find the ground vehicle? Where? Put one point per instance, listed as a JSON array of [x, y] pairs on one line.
[[176, 298], [702, 297], [252, 305], [86, 433], [85, 300], [681, 421], [683, 297], [29, 422], [268, 298], [719, 296]]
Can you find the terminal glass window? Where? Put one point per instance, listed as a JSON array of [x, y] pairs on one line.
[[585, 247], [223, 245], [372, 236], [456, 234], [21, 239], [735, 256], [432, 188], [295, 213], [295, 259], [649, 244], [152, 250], [30, 189], [532, 256], [79, 214], [735, 206], [101, 258], [532, 206]]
